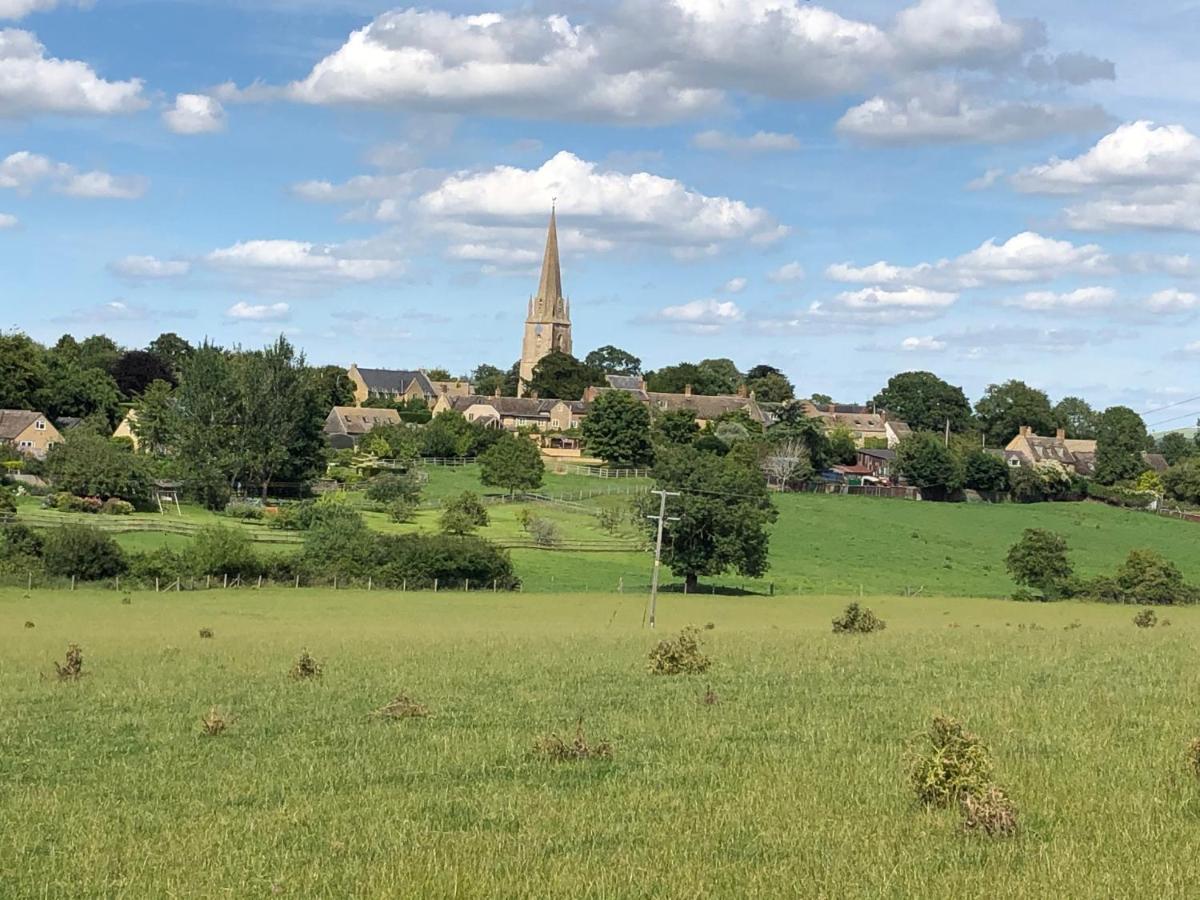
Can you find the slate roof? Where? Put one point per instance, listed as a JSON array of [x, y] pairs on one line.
[[396, 381], [14, 421], [707, 408], [358, 420]]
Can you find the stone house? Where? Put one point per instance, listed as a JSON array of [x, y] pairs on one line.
[[29, 433], [346, 426], [863, 422], [706, 408], [513, 413], [1077, 456], [395, 385]]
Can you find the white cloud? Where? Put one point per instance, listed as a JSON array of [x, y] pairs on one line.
[[103, 186], [792, 271], [148, 268], [907, 298], [607, 207], [943, 112], [1173, 300], [243, 311], [1178, 265], [195, 114], [1136, 153], [1022, 258], [1193, 347], [23, 171], [8, 221], [986, 180], [1082, 299], [390, 188], [735, 286], [927, 344], [702, 316], [19, 9], [1166, 208], [299, 261], [32, 82], [656, 60], [759, 142]]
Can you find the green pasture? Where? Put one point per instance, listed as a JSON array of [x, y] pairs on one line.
[[792, 785]]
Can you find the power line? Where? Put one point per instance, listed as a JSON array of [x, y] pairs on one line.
[[1187, 415], [1158, 409]]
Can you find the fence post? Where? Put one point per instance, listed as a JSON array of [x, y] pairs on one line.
[[72, 582], [30, 585], [404, 586], [156, 584], [370, 582], [118, 582], [467, 585], [226, 585], [297, 582], [435, 585]]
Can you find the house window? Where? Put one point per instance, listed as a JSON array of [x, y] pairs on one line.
[[39, 425], [1014, 463], [25, 445]]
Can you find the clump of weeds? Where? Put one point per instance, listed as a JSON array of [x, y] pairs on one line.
[[215, 722], [949, 763], [990, 813], [206, 632], [556, 749], [71, 669], [857, 619], [402, 706], [1147, 618], [682, 655], [306, 667]]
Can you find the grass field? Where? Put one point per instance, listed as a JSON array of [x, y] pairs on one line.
[[792, 785], [820, 545]]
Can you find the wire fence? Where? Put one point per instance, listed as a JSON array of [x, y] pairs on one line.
[[602, 472]]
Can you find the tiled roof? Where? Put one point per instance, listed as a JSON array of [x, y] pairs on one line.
[[395, 381], [14, 421], [361, 419]]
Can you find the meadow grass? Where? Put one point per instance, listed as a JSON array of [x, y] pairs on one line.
[[793, 784]]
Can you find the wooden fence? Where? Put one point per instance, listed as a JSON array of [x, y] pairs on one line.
[[602, 472]]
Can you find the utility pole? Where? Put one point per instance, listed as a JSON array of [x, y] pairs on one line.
[[662, 520], [947, 432]]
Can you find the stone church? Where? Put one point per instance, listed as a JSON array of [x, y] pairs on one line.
[[548, 325]]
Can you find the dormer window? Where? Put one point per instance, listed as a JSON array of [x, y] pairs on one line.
[[39, 425]]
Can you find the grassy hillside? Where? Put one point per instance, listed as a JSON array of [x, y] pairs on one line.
[[792, 784], [821, 544]]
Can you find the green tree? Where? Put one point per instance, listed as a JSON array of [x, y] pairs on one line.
[[83, 552], [1076, 416], [724, 511], [1120, 442], [925, 402], [23, 371], [708, 378], [842, 449], [791, 423], [770, 385], [1148, 578], [678, 427], [449, 435], [613, 361], [154, 416], [173, 350], [74, 389], [617, 429], [487, 380], [387, 489], [136, 370], [88, 464], [514, 463], [1182, 481], [560, 376], [1040, 560], [204, 426], [821, 399], [333, 388], [926, 462], [985, 472], [1004, 408], [1175, 448], [464, 514]]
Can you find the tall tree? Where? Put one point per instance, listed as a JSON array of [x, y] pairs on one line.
[[513, 462], [1175, 447], [613, 361], [23, 371], [792, 424], [925, 402], [709, 377], [560, 376], [73, 389], [205, 426], [154, 418], [488, 379], [135, 370], [770, 385], [679, 426], [1004, 408], [333, 387], [724, 511], [617, 429], [173, 350], [1120, 442], [1076, 416], [926, 462]]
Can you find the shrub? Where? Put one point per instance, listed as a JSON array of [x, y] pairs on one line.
[[1147, 618], [387, 489], [990, 813], [162, 564], [214, 723], [8, 501], [681, 655], [554, 748], [857, 620], [222, 550], [464, 514], [402, 510], [1039, 560], [951, 764], [1149, 579], [83, 552], [545, 533], [419, 559], [610, 519], [403, 707], [206, 633], [20, 541], [71, 669], [306, 667], [114, 506], [249, 510]]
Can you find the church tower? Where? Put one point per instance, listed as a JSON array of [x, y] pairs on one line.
[[548, 326]]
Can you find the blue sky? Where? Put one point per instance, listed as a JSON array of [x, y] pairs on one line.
[[845, 189]]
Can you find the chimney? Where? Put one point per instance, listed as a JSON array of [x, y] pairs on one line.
[[533, 395], [1026, 431], [1060, 435], [687, 390], [741, 392], [497, 394]]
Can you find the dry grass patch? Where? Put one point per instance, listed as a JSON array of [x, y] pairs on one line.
[[991, 813], [402, 707], [71, 669], [306, 667], [1147, 618], [556, 749], [215, 722], [710, 698], [682, 655]]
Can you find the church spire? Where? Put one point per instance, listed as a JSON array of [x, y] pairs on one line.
[[550, 290]]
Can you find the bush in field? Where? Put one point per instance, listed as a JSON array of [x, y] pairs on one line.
[[556, 749], [949, 764], [114, 506], [1039, 561], [245, 509], [1147, 618], [387, 489], [991, 813], [20, 549], [464, 514], [82, 552], [857, 620], [544, 532], [8, 501], [513, 462], [402, 706], [306, 667], [681, 655], [71, 669], [337, 540], [402, 510], [1149, 579], [161, 564], [90, 465], [419, 559], [222, 550]]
